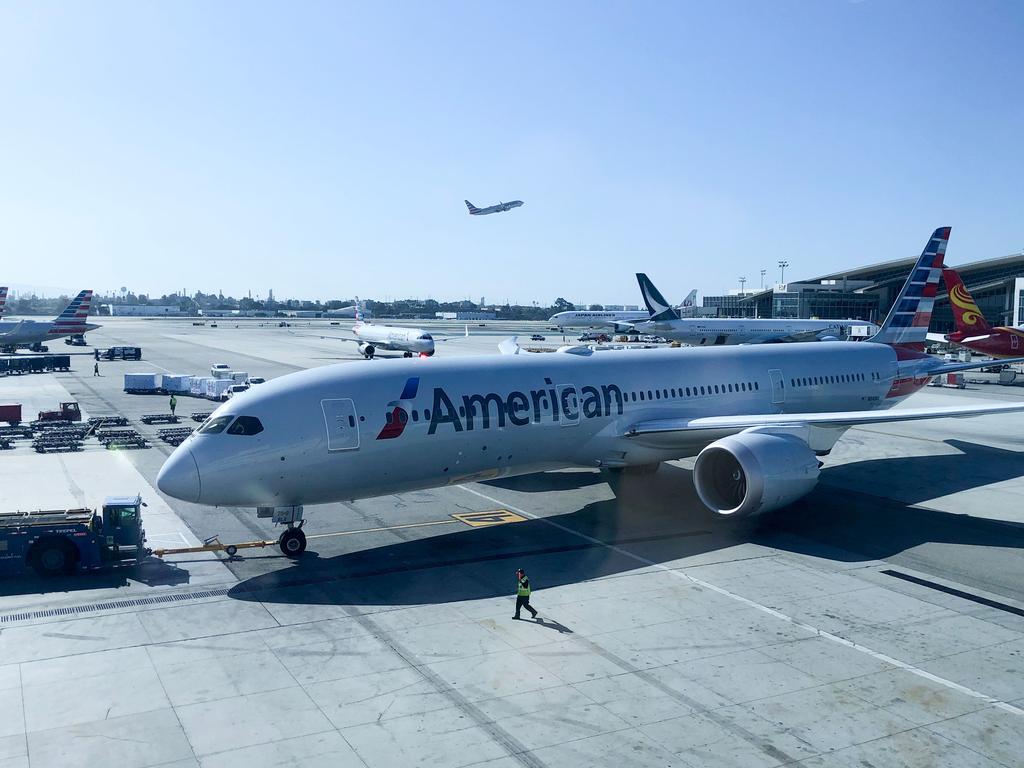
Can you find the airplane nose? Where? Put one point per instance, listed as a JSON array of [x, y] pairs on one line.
[[179, 476]]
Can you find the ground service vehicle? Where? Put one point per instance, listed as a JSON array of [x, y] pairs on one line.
[[67, 412], [233, 390], [118, 353], [61, 541], [78, 340], [536, 337]]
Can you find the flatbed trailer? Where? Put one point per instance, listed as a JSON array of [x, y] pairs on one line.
[[62, 541]]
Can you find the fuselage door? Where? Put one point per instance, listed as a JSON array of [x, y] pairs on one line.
[[778, 391], [342, 424], [568, 405], [1014, 341]]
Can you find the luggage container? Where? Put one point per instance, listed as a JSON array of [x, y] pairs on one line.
[[239, 377], [197, 387], [11, 413], [142, 383], [176, 383], [215, 388]]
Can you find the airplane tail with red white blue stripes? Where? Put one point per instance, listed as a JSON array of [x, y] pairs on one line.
[[472, 208], [76, 313], [907, 323]]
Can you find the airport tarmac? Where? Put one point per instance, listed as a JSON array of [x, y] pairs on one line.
[[879, 621]]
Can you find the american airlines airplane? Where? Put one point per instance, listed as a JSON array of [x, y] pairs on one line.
[[756, 417], [392, 338], [499, 208], [621, 320], [33, 333], [665, 321]]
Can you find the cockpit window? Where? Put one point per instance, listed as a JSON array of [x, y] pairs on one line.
[[425, 337], [245, 425], [215, 426]]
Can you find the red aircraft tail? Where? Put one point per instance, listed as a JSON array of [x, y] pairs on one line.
[[969, 319]]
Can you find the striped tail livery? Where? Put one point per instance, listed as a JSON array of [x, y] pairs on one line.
[[74, 316], [472, 208], [907, 323]]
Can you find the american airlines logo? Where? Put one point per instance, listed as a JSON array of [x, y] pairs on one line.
[[553, 403]]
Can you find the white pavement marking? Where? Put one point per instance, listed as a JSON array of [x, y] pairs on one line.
[[998, 703]]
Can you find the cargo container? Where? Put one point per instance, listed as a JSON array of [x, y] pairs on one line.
[[215, 388], [197, 387], [142, 383], [239, 377], [11, 413], [176, 383]]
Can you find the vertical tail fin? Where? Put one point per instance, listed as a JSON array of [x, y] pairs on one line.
[[472, 208], [969, 319], [3, 299], [690, 300], [656, 304], [907, 322], [77, 311], [359, 312]]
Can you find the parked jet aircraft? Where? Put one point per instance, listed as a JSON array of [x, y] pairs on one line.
[[757, 418], [972, 329], [699, 331], [409, 341], [33, 333], [499, 208], [620, 320]]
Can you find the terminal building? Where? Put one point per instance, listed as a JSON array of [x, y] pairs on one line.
[[867, 293], [144, 310]]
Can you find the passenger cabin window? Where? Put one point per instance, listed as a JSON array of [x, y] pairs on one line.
[[246, 425], [215, 426]]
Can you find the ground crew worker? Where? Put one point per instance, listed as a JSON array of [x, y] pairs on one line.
[[174, 404], [523, 593], [95, 369]]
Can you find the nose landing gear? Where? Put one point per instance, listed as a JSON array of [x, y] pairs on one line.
[[292, 541]]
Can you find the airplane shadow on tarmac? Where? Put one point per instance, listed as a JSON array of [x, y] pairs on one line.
[[660, 519]]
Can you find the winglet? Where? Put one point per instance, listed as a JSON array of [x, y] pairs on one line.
[[906, 325], [510, 346], [969, 319], [656, 304]]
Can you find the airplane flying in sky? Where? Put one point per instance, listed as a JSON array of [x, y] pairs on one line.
[[34, 333], [972, 329], [667, 322], [756, 417], [499, 208], [409, 341], [620, 320]]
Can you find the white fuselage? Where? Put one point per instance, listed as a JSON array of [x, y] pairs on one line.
[[699, 332], [352, 431], [394, 338], [596, 318], [16, 333]]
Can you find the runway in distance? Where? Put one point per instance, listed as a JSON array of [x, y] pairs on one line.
[[33, 333], [757, 417], [409, 341], [499, 208], [972, 329], [620, 320], [666, 321]]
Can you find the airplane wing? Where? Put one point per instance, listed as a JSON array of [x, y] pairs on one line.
[[938, 337], [329, 338], [835, 419], [954, 367], [453, 338], [510, 346]]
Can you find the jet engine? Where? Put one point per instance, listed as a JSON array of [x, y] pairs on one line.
[[754, 472], [366, 349]]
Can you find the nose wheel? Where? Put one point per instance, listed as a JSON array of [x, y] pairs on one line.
[[292, 542]]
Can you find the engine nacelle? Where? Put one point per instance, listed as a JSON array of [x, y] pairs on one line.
[[754, 472], [366, 349]]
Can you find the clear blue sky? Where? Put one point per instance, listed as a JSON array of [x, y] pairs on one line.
[[324, 149]]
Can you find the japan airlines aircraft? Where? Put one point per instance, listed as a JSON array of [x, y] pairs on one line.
[[499, 208], [33, 333], [757, 418], [620, 320], [972, 329], [408, 341], [698, 332]]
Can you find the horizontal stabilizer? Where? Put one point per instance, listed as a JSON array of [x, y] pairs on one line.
[[954, 367]]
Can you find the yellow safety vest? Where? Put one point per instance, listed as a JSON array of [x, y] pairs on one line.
[[523, 589]]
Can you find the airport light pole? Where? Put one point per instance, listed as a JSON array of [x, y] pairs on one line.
[[743, 282], [762, 278], [782, 271]]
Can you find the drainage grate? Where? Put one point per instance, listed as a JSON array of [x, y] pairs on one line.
[[111, 605], [956, 592]]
